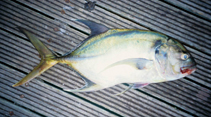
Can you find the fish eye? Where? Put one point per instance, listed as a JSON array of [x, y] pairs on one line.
[[184, 56]]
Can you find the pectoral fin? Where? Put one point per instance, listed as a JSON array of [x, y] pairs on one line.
[[137, 63]]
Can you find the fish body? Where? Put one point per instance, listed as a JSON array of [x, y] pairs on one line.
[[115, 45], [112, 56]]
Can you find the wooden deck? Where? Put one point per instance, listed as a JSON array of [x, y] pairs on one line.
[[187, 21]]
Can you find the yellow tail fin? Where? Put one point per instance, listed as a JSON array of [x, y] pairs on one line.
[[46, 58]]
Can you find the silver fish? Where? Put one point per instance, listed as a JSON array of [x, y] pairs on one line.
[[113, 56]]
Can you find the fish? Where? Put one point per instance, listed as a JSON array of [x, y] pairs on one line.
[[109, 57]]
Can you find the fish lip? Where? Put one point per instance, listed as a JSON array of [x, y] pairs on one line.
[[188, 69]]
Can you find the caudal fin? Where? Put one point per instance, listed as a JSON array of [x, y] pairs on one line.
[[46, 58]]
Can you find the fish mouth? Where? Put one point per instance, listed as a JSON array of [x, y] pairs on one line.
[[188, 69]]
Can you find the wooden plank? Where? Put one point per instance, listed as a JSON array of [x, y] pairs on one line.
[[103, 97], [199, 8], [169, 20], [116, 101], [26, 63], [76, 13], [10, 109], [136, 100], [174, 93], [58, 14], [116, 8], [45, 96], [198, 80], [45, 24]]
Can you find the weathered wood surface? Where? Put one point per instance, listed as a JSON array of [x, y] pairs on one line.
[[44, 97], [198, 7]]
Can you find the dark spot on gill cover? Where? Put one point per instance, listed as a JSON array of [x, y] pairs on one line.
[[156, 51], [157, 43]]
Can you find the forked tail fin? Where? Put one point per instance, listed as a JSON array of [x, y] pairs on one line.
[[46, 58]]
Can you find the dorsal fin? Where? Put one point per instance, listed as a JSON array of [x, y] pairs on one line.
[[95, 30], [94, 27]]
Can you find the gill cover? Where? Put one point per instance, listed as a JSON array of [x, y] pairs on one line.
[[173, 61], [163, 63], [161, 58]]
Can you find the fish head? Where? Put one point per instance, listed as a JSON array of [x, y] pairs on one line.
[[173, 61]]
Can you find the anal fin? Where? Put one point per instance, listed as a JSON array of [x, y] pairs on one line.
[[86, 88], [90, 86]]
